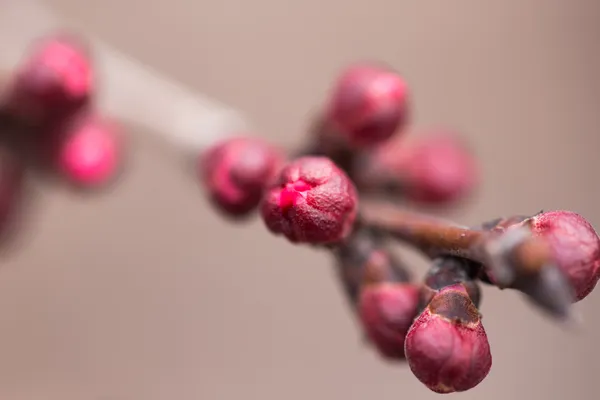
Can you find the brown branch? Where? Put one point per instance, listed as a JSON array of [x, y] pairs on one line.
[[427, 233], [363, 259], [511, 258]]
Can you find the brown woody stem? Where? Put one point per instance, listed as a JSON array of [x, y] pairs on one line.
[[363, 260], [429, 234], [511, 258]]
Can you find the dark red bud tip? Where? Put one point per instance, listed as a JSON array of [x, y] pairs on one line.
[[90, 151], [235, 173], [54, 80], [575, 245], [311, 201], [368, 104], [447, 347], [387, 311]]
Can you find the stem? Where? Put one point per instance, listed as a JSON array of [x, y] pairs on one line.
[[431, 235], [324, 140], [449, 270], [363, 259], [131, 91], [512, 258]]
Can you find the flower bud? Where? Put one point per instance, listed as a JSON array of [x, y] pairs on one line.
[[55, 80], [575, 245], [434, 169], [386, 312], [89, 151], [368, 105], [235, 173], [311, 201], [447, 347]]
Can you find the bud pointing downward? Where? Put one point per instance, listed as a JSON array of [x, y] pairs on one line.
[[447, 347]]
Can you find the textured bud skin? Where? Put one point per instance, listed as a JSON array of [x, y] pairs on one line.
[[90, 152], [55, 80], [386, 312], [433, 169], [369, 104], [447, 347], [311, 201], [235, 173], [576, 247]]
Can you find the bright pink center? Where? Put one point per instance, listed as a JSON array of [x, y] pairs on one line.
[[291, 192], [90, 157], [71, 65]]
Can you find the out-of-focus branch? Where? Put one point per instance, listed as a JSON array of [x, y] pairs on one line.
[[131, 91]]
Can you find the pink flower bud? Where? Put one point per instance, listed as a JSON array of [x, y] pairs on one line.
[[89, 152], [446, 347], [311, 201], [387, 311], [236, 171], [434, 169], [54, 80], [576, 247], [369, 104]]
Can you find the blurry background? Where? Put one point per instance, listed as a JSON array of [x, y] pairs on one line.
[[145, 293]]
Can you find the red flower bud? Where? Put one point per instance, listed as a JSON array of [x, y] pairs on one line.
[[576, 247], [369, 104], [236, 171], [446, 347], [387, 311], [433, 169], [90, 152], [55, 80], [311, 201]]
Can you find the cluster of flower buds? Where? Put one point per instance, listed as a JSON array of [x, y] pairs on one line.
[[48, 122], [360, 147]]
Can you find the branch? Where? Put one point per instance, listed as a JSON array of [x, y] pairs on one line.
[[131, 91], [511, 258]]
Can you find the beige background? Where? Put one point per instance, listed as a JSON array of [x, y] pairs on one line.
[[144, 293]]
